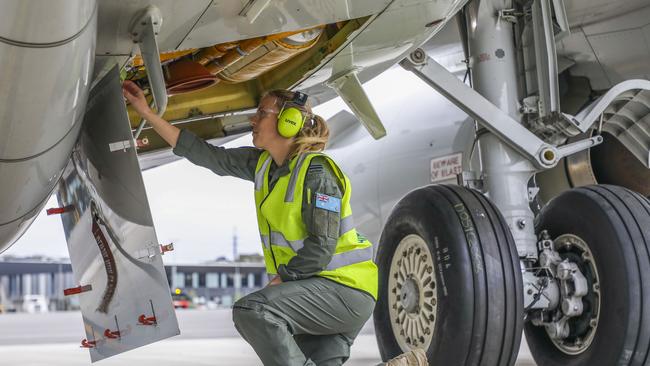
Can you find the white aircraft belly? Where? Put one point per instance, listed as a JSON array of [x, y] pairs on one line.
[[222, 22], [202, 23], [388, 38]]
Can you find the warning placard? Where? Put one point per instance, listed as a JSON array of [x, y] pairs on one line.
[[446, 167]]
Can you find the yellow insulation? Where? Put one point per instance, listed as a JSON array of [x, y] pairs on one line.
[[164, 56], [269, 56]]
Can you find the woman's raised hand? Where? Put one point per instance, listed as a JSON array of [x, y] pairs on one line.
[[135, 96]]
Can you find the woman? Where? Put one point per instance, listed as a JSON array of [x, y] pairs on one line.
[[325, 282]]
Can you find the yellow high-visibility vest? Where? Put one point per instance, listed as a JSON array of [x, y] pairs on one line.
[[282, 231]]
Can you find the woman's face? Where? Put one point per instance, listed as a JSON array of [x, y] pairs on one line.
[[264, 123]]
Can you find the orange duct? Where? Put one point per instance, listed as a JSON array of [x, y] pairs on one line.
[[186, 75]]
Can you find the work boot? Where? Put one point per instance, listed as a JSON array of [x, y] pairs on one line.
[[416, 357]]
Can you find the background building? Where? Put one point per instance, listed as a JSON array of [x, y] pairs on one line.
[[36, 283], [220, 281]]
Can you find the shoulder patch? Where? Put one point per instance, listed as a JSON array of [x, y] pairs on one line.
[[328, 203]]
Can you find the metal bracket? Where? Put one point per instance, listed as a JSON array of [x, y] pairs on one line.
[[349, 88], [253, 9], [119, 145], [144, 29], [545, 59], [509, 15], [543, 155], [471, 179], [532, 193], [562, 19], [574, 147], [530, 105]]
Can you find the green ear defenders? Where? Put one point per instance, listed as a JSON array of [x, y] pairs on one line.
[[291, 119]]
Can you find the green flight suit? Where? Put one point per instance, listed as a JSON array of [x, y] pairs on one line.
[[306, 320]]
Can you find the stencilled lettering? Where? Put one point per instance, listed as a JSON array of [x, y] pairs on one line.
[[442, 262], [470, 236]]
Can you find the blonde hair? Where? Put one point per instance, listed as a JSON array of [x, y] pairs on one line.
[[314, 134]]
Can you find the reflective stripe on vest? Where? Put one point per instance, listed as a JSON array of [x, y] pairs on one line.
[[278, 239], [294, 177], [265, 241], [350, 257], [338, 260], [346, 224], [259, 177]]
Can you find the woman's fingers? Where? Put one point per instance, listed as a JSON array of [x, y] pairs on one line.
[[131, 90], [135, 96]]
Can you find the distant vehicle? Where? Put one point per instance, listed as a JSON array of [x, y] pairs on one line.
[[35, 304], [181, 300]]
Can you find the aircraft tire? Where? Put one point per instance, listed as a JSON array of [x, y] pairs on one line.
[[614, 223], [453, 243]]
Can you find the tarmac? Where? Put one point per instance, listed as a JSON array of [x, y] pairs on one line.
[[207, 338]]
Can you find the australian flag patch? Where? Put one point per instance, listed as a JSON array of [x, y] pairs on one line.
[[328, 203]]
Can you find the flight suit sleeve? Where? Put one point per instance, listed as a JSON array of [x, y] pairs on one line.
[[238, 162], [322, 224]]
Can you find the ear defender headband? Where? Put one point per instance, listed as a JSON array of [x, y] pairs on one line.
[[291, 119]]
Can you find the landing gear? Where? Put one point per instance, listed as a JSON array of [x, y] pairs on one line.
[[600, 255], [585, 263], [450, 280]]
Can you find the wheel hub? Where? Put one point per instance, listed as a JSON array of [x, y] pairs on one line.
[[412, 293], [572, 325]]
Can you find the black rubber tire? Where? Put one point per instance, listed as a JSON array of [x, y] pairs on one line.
[[480, 300], [615, 223]]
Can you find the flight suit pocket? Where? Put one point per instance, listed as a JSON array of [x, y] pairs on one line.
[[326, 223], [333, 220], [321, 221]]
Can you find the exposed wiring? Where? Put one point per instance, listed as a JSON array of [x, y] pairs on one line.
[[538, 295], [480, 132]]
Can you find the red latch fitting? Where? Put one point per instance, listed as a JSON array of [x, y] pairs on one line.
[[88, 344], [77, 290], [59, 210], [143, 142], [166, 248], [143, 320], [113, 335]]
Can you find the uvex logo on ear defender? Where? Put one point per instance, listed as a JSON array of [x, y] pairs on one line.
[[286, 120], [291, 118]]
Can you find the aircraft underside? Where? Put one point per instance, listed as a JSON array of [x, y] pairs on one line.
[[544, 229]]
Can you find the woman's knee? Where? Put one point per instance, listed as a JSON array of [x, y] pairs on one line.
[[248, 308]]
